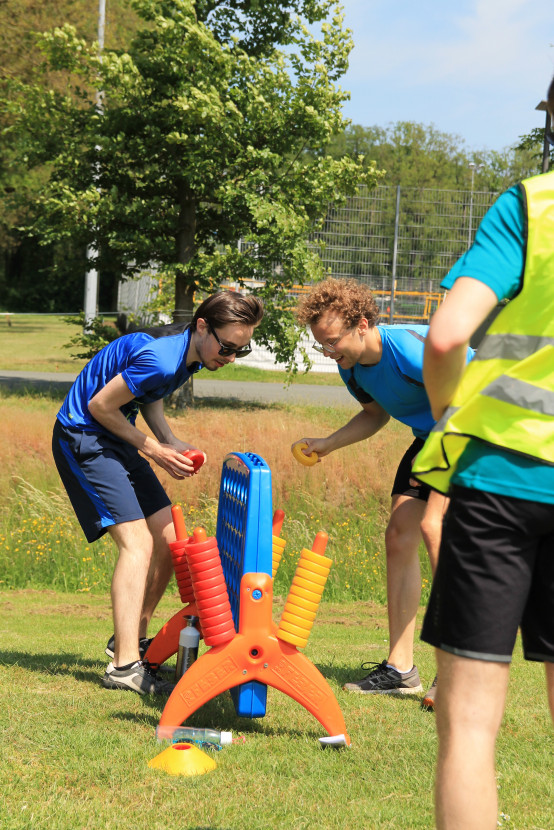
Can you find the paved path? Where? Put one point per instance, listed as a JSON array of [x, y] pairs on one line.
[[297, 393]]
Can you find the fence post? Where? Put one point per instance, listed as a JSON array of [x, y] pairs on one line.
[[394, 254]]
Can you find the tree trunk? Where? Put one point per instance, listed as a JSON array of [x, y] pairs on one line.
[[184, 288]]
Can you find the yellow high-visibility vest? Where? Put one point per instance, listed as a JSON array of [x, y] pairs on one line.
[[506, 395]]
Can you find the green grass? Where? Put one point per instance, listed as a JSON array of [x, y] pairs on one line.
[[75, 755], [35, 343], [239, 372]]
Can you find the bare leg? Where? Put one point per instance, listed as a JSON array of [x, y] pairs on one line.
[[550, 686], [161, 565], [431, 526], [403, 578], [431, 530], [470, 704], [135, 544]]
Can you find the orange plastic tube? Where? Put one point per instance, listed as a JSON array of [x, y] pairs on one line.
[[278, 519], [179, 523]]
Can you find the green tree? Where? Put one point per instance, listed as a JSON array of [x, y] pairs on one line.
[[208, 133], [533, 144], [420, 155], [47, 277]]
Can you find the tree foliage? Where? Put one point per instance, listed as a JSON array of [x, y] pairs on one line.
[[45, 277], [420, 155], [209, 131]]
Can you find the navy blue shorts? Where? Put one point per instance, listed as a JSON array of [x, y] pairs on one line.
[[404, 484], [495, 574], [106, 479]]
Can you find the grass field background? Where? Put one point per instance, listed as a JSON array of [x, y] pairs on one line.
[[75, 755], [37, 343]]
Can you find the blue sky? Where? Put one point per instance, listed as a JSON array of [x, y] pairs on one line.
[[473, 68]]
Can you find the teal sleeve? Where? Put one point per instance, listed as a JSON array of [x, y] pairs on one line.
[[497, 256]]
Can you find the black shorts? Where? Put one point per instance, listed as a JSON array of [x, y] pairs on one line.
[[404, 483], [106, 479], [495, 574]]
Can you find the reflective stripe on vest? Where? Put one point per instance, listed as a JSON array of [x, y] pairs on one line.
[[522, 394], [511, 346]]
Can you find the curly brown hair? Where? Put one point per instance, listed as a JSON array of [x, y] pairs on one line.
[[350, 299]]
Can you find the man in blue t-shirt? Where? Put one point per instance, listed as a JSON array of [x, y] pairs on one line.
[[112, 488], [382, 368], [496, 564]]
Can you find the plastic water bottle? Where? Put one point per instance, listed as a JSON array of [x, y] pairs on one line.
[[193, 733], [188, 646]]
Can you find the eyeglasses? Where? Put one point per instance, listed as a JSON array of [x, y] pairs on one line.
[[329, 347], [227, 351]]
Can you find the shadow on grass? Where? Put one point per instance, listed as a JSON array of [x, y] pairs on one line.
[[58, 663], [57, 390], [343, 675], [53, 390], [219, 712], [228, 403], [71, 665]]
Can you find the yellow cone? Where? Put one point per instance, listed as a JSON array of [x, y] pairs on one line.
[[183, 759]]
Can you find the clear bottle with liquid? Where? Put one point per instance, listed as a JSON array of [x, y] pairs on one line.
[[189, 639], [193, 733]]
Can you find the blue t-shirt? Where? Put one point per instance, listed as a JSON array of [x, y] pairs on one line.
[[497, 258], [396, 381], [151, 367]]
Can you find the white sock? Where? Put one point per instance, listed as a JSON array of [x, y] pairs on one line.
[[400, 671]]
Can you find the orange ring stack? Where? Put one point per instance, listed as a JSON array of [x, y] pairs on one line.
[[179, 556], [210, 589], [305, 594]]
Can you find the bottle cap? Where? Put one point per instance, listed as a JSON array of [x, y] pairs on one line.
[[226, 738]]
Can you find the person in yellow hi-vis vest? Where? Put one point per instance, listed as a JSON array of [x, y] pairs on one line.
[[492, 452]]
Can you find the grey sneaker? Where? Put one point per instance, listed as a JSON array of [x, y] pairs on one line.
[[139, 678], [144, 643], [428, 701], [384, 680]]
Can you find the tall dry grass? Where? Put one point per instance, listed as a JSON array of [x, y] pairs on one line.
[[346, 495]]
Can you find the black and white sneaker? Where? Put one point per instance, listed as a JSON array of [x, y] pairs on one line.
[[384, 680], [139, 678], [144, 644]]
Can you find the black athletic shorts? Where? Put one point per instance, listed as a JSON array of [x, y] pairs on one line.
[[495, 574], [404, 483], [106, 479]]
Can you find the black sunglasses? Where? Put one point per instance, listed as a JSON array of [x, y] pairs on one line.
[[227, 351]]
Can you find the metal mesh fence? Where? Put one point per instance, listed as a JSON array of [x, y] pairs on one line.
[[401, 241]]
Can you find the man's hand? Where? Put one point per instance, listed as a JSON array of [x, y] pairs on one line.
[[318, 445], [171, 459]]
